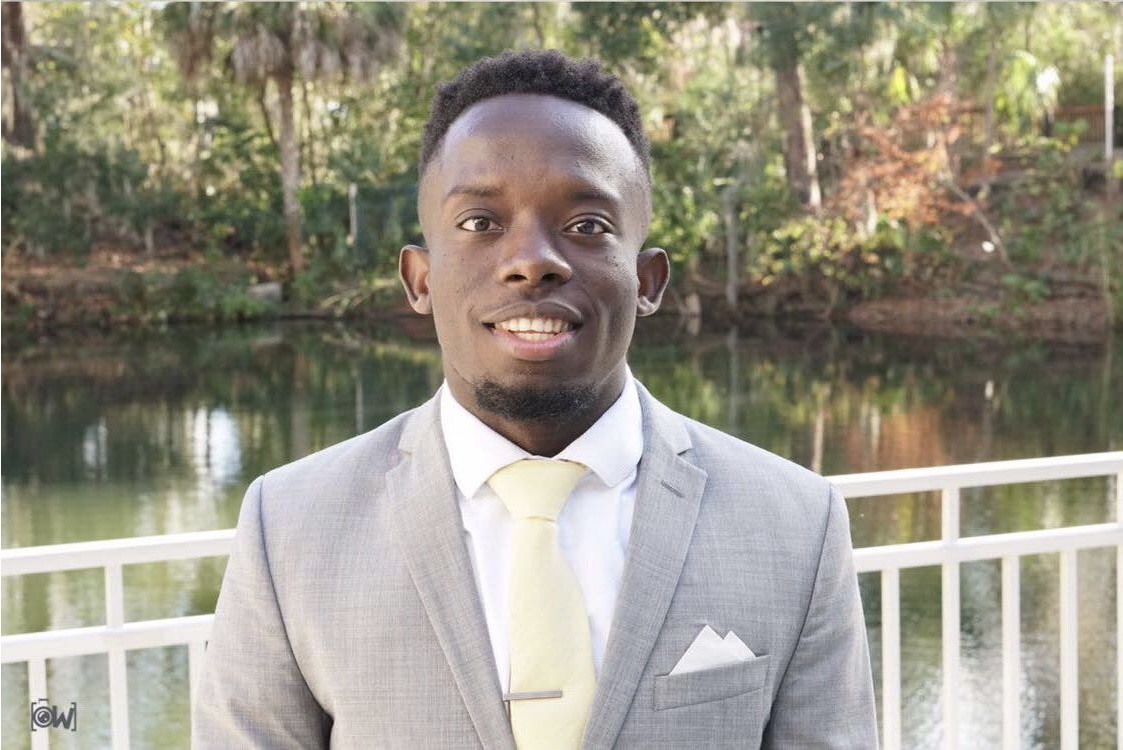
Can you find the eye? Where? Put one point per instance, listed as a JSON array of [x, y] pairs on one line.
[[588, 226], [478, 224]]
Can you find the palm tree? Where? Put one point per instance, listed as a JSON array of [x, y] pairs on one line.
[[282, 43]]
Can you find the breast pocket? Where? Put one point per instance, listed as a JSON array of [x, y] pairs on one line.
[[706, 685]]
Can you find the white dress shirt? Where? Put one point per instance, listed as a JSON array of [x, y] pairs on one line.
[[593, 526]]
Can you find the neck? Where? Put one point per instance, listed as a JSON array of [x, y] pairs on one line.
[[541, 440], [540, 435]]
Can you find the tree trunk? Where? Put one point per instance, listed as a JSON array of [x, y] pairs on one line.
[[309, 133], [988, 123], [18, 124], [799, 142], [732, 243], [290, 172], [1109, 113], [265, 117], [949, 78], [949, 64], [537, 25]]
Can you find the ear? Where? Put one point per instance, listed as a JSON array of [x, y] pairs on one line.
[[413, 268], [654, 271]]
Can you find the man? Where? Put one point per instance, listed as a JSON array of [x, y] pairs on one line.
[[403, 590]]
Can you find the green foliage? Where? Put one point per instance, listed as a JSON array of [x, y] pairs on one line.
[[62, 198], [144, 136], [191, 293], [1027, 91], [681, 223], [830, 252], [636, 34], [1044, 206], [1026, 288]]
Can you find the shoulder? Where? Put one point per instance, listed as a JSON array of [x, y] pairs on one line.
[[725, 458], [745, 482], [370, 451], [721, 454], [343, 477]]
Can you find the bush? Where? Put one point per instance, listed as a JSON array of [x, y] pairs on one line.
[[831, 254], [190, 293]]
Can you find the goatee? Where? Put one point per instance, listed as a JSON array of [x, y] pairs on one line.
[[529, 404]]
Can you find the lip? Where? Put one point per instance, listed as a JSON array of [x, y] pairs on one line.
[[535, 351], [544, 309]]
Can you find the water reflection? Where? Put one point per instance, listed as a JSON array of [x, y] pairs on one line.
[[160, 433]]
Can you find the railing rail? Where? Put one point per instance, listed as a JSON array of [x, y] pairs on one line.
[[950, 551]]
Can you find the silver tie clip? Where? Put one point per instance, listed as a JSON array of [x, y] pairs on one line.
[[532, 695]]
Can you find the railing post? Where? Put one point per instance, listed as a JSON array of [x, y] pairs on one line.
[[1011, 653], [950, 614], [196, 652], [1070, 666], [118, 666], [891, 659], [37, 688]]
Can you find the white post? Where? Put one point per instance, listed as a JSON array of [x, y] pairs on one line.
[[891, 659], [353, 212], [196, 652], [1070, 653], [118, 667], [37, 688], [951, 625], [1011, 654]]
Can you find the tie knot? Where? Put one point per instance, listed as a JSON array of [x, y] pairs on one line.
[[536, 488]]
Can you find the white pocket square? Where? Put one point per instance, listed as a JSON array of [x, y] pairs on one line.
[[710, 650]]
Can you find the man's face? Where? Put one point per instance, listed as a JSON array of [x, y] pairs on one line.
[[534, 211]]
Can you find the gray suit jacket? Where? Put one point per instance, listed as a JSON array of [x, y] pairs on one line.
[[349, 616]]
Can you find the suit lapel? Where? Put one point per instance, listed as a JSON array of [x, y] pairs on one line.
[[432, 540], [668, 496]]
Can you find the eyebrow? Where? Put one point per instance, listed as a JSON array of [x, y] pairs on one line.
[[592, 194], [477, 191], [487, 191]]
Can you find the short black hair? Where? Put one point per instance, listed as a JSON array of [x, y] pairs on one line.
[[549, 72]]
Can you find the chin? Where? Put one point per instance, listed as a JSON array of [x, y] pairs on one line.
[[534, 403]]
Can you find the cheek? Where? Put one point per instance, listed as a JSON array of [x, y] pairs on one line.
[[616, 293], [451, 284]]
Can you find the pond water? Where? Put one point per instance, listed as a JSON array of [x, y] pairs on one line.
[[116, 436]]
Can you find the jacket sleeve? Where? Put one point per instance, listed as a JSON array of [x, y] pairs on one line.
[[825, 699], [251, 692]]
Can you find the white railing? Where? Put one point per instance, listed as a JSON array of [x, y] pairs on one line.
[[951, 550], [118, 636]]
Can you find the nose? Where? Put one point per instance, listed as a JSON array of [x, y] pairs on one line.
[[533, 259]]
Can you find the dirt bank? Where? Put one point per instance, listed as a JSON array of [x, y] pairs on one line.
[[40, 296]]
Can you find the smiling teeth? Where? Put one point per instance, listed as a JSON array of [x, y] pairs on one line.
[[534, 329]]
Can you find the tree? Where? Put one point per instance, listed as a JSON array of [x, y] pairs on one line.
[[19, 122], [785, 27], [281, 43]]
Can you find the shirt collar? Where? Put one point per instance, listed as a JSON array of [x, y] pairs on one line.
[[611, 448]]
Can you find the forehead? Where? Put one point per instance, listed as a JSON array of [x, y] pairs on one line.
[[530, 133]]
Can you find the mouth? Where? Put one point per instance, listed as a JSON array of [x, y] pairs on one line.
[[540, 338], [534, 329]]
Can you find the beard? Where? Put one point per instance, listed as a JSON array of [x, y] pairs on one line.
[[529, 404]]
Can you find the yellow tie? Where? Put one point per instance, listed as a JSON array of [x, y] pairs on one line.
[[549, 628]]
